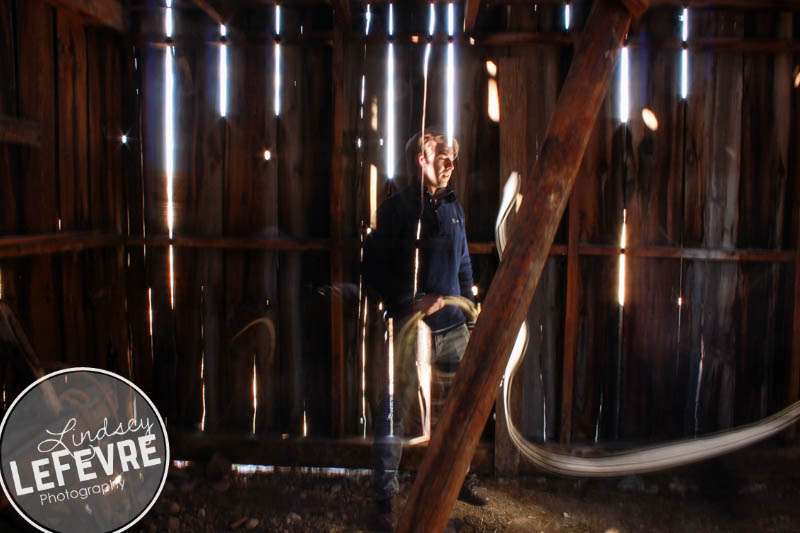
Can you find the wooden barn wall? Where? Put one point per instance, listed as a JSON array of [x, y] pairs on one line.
[[708, 200], [65, 77], [233, 329]]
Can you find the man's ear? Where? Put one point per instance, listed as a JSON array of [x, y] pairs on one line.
[[420, 160]]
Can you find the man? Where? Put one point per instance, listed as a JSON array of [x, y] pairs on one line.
[[437, 264]]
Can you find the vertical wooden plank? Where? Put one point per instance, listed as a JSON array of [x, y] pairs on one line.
[[337, 328], [10, 175], [73, 175], [133, 172], [714, 123], [251, 207], [766, 94], [512, 84], [193, 64], [36, 69], [651, 375], [570, 326]]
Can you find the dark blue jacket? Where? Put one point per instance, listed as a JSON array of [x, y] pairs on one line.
[[444, 265]]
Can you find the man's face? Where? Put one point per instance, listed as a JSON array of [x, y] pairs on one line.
[[437, 164]]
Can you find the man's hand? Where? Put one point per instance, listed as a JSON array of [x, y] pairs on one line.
[[428, 304]]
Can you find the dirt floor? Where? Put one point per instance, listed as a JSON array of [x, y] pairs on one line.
[[747, 494]]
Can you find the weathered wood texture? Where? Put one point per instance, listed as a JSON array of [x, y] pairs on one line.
[[109, 13], [547, 190]]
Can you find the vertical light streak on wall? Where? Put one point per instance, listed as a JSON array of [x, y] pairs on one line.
[[169, 143], [223, 71], [255, 394], [369, 19], [624, 86], [567, 16], [493, 103], [390, 113], [150, 315], [373, 196], [451, 77], [363, 89], [390, 334], [277, 80], [305, 423], [431, 20], [203, 386], [364, 369], [685, 54], [699, 382], [622, 244]]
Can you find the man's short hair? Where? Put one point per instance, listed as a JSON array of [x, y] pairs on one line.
[[433, 135]]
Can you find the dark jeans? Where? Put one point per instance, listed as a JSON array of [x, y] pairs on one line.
[[447, 351]]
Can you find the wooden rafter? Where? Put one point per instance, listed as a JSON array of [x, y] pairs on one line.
[[109, 13]]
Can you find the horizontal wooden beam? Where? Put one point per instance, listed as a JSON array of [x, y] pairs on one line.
[[314, 452], [695, 4], [109, 13], [237, 243], [20, 131], [698, 254], [51, 243]]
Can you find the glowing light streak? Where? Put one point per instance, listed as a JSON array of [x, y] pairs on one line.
[[624, 86], [391, 20], [390, 112], [622, 244], [255, 395], [168, 20], [223, 73], [203, 385], [431, 20], [650, 119], [451, 77], [390, 333], [267, 155], [305, 424], [450, 19], [685, 54], [566, 16], [277, 79], [493, 104], [475, 290], [373, 196], [171, 277], [364, 368], [124, 139], [369, 19], [491, 68]]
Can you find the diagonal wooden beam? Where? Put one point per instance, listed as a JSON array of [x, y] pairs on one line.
[[471, 15], [545, 194], [108, 13]]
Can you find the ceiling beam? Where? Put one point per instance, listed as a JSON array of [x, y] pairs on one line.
[[109, 13]]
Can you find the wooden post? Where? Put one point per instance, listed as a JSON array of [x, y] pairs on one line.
[[512, 77], [545, 197], [337, 326], [570, 325]]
